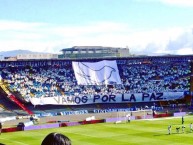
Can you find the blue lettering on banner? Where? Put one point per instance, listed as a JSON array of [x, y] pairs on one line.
[[75, 112], [70, 99], [123, 98], [111, 110], [160, 96], [77, 100], [152, 97], [145, 95], [96, 97], [104, 98], [81, 100], [131, 98], [114, 98], [84, 99]]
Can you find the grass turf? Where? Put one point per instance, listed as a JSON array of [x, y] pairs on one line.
[[139, 132]]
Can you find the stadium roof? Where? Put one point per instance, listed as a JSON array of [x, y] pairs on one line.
[[90, 47]]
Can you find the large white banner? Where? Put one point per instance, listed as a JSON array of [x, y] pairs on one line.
[[115, 98], [96, 73]]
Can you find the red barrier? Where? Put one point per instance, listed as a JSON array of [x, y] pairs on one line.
[[92, 121], [13, 129], [52, 121], [138, 117], [63, 124], [162, 115]]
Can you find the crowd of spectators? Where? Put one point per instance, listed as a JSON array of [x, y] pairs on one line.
[[156, 77], [137, 77]]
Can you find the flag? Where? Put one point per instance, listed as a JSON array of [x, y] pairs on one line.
[[96, 73]]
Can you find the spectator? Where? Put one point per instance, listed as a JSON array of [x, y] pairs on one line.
[[56, 139], [31, 118], [159, 74]]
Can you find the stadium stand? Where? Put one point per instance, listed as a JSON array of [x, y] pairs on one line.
[[40, 79]]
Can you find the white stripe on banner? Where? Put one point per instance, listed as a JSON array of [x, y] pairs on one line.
[[96, 73]]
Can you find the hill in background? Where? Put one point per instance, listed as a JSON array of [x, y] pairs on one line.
[[16, 52]]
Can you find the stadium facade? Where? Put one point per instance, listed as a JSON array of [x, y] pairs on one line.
[[36, 56], [79, 52]]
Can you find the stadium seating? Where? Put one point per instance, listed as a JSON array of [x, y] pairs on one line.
[[139, 75]]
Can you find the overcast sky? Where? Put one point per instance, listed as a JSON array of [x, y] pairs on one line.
[[145, 26]]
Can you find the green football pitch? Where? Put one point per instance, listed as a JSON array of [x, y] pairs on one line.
[[139, 132]]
